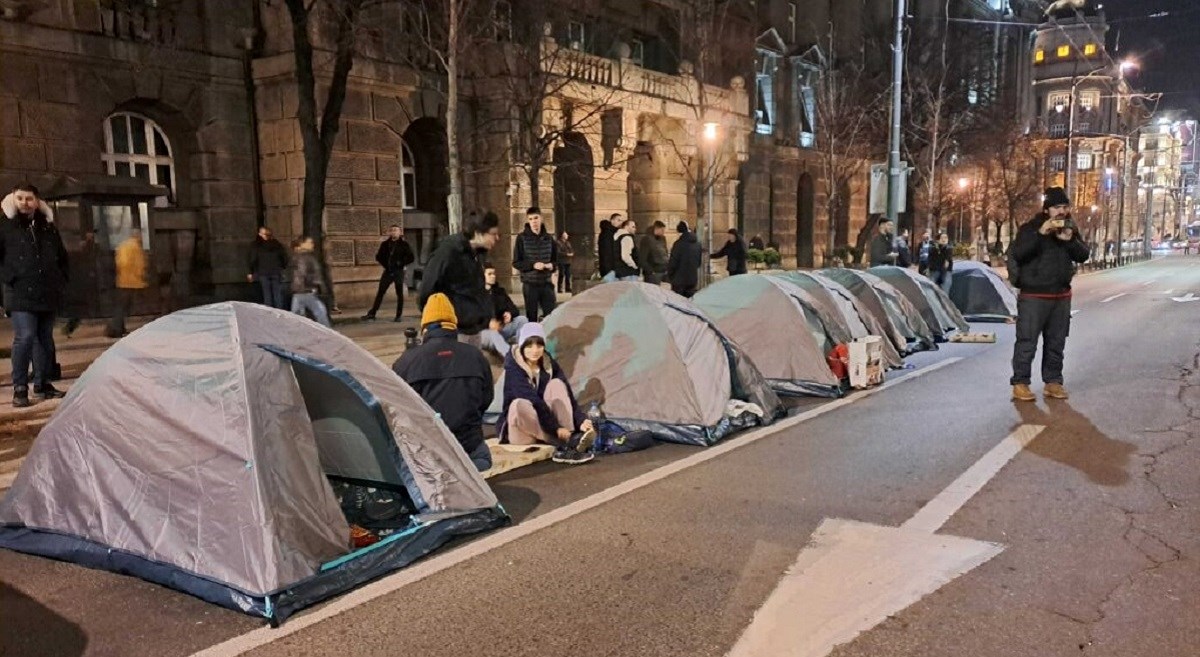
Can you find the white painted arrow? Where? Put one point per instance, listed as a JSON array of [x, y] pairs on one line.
[[1190, 296], [853, 575]]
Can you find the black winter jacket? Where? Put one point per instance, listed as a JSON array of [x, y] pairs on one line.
[[683, 270], [652, 256], [735, 254], [394, 255], [306, 274], [1047, 264], [33, 263], [454, 378], [531, 248], [606, 247], [267, 257], [881, 249], [503, 303], [454, 269], [941, 258]]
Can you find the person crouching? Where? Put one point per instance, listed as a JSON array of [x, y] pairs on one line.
[[539, 406]]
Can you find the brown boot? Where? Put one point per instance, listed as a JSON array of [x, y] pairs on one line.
[[1021, 392], [1056, 391]]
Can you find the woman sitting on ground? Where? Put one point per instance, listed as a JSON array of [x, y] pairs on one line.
[[539, 406]]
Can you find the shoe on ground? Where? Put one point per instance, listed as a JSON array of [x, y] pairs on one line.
[[48, 392], [368, 317], [1021, 392], [571, 457], [582, 441], [398, 320], [21, 398], [1056, 391]]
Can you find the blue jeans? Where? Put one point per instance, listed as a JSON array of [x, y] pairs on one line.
[[33, 342], [313, 304], [481, 457], [498, 341], [272, 288], [610, 277], [635, 278]]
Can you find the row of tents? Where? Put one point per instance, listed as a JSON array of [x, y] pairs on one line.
[[226, 451]]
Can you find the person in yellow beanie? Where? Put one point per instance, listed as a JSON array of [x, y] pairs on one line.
[[131, 277], [454, 378]]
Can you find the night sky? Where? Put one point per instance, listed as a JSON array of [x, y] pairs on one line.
[[1167, 48]]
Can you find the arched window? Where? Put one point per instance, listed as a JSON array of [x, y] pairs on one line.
[[408, 177], [136, 146]]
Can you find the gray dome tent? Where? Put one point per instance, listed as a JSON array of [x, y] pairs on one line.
[[937, 309], [837, 305], [772, 320], [887, 303], [202, 452], [981, 294]]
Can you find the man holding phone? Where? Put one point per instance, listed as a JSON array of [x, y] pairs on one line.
[[1045, 253]]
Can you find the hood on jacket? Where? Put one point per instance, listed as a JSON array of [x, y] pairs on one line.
[[529, 231], [9, 206]]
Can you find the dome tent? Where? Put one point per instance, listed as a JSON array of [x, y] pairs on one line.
[[655, 361], [772, 320], [937, 309], [212, 470], [981, 294], [837, 305], [884, 300]]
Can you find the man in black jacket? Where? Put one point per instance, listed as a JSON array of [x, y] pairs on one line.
[[34, 272], [394, 255], [734, 252], [534, 255], [456, 270], [606, 247], [268, 260], [683, 269], [453, 378], [1045, 253], [652, 254], [882, 251]]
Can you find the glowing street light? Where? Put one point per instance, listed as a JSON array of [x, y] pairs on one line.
[[710, 131], [963, 183]]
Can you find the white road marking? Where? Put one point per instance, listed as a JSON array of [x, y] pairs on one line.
[[240, 645], [1150, 282], [1074, 313], [1115, 296], [853, 575], [1170, 291], [1190, 296]]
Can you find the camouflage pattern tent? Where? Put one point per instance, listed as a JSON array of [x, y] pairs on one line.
[[887, 303], [836, 304], [981, 294], [773, 321], [937, 309], [655, 361]]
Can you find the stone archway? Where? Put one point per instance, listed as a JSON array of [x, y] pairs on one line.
[[425, 217], [575, 200], [805, 220]]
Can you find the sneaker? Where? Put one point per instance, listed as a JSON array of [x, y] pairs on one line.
[[1021, 392], [1056, 391], [582, 441], [21, 397], [48, 392], [571, 456], [369, 317]]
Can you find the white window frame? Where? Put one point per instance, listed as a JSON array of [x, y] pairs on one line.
[[1057, 162], [574, 29], [1089, 99], [408, 170], [766, 118], [1084, 161], [1058, 130], [637, 52], [151, 158], [1058, 98]]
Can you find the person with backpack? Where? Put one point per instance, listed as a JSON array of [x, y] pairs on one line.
[[1041, 264]]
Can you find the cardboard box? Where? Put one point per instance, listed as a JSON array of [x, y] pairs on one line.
[[866, 362]]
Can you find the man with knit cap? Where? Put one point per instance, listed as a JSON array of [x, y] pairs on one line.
[[454, 378], [1042, 261]]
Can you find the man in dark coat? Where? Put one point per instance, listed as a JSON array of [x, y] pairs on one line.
[[652, 253], [734, 252], [453, 378], [394, 255], [268, 260], [606, 247], [683, 269], [456, 270], [534, 255], [34, 272], [883, 246], [1044, 253]]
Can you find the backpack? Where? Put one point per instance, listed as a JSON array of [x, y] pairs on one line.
[[612, 439]]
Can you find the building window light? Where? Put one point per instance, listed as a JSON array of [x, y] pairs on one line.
[[1064, 51], [1089, 49], [1039, 56]]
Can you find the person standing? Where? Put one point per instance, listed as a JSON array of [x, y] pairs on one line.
[[626, 266], [82, 288], [1045, 253], [130, 260], [534, 255], [606, 247], [903, 252], [734, 253], [455, 379], [566, 251], [683, 268], [941, 262], [34, 272], [456, 270], [883, 245], [308, 282], [268, 260], [394, 255], [923, 253], [756, 242], [652, 252]]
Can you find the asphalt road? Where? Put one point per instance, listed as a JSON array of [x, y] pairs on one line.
[[1098, 518]]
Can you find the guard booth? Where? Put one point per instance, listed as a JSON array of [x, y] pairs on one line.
[[94, 215]]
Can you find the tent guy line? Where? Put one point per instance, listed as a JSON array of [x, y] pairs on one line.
[[262, 636]]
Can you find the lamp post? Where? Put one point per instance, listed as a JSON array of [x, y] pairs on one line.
[[963, 184], [711, 136]]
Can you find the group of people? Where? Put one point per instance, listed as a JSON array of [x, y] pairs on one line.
[[271, 265], [935, 258]]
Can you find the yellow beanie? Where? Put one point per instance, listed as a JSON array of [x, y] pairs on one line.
[[439, 310]]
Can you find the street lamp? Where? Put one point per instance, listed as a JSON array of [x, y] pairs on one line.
[[963, 184], [711, 135]]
